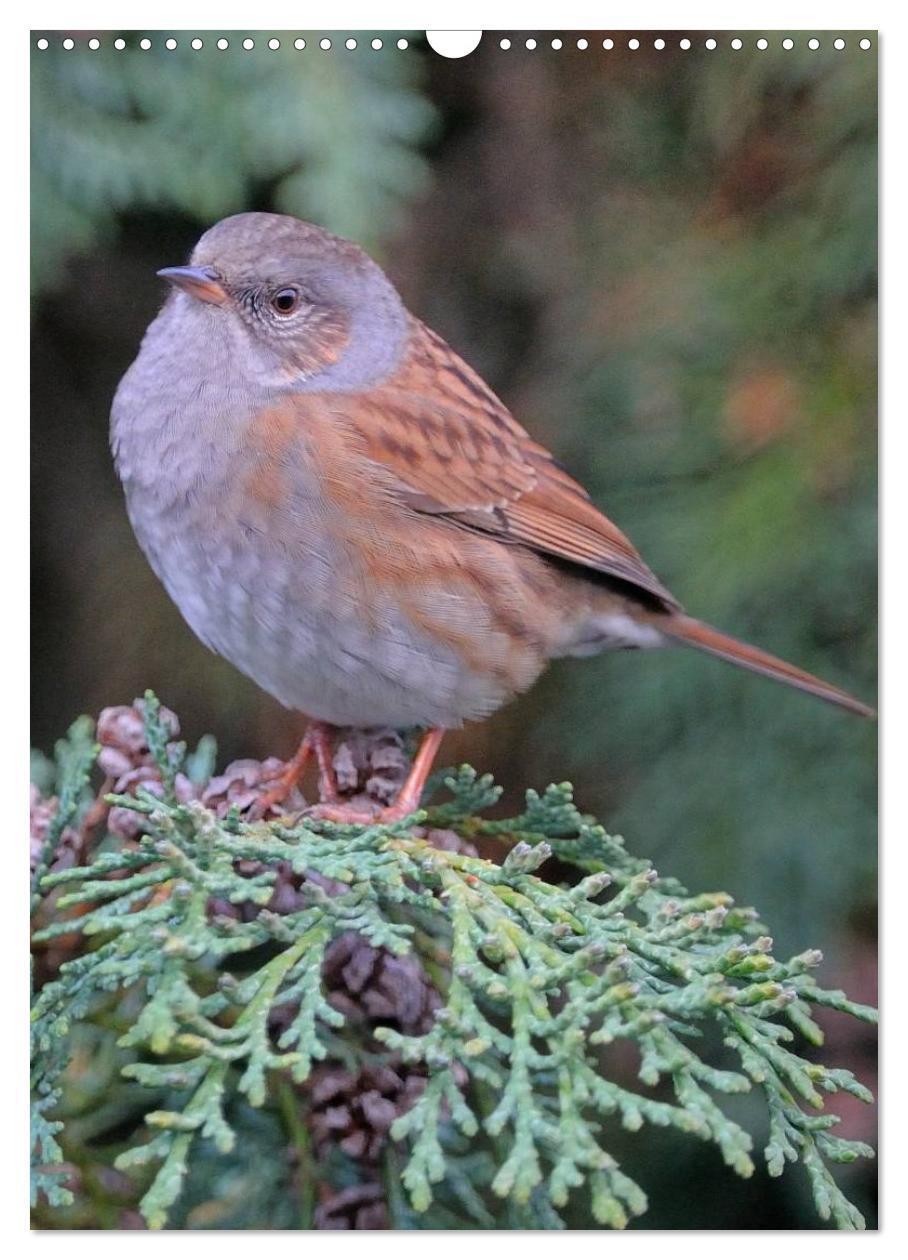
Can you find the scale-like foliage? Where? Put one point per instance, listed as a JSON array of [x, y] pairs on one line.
[[538, 979]]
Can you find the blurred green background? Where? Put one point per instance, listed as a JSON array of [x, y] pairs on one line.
[[664, 261]]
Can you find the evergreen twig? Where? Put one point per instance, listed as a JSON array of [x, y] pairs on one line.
[[542, 978]]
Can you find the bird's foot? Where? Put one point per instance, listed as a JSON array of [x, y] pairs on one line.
[[316, 742], [354, 815], [408, 798]]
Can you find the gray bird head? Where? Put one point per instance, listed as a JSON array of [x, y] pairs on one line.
[[296, 303]]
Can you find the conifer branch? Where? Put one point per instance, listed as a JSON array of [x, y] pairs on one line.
[[227, 1001]]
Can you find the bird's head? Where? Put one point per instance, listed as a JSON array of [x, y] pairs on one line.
[[302, 306]]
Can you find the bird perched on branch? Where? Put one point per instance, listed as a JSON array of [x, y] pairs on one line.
[[343, 508]]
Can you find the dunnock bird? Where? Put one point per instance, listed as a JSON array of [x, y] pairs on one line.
[[340, 506]]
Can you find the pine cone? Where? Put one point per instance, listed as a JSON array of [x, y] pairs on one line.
[[373, 986], [355, 1207], [121, 734], [355, 1111], [242, 785], [41, 813], [127, 823], [371, 763], [126, 759]]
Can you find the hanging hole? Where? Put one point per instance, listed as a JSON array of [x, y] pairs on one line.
[[608, 43], [223, 44], [583, 44], [710, 44], [813, 43], [865, 44], [659, 43], [762, 43], [402, 44], [119, 44], [376, 43], [43, 44], [633, 44], [197, 43], [838, 43], [453, 43], [299, 43], [685, 44], [274, 44], [170, 44]]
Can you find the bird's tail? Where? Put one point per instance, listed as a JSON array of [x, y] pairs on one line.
[[699, 635]]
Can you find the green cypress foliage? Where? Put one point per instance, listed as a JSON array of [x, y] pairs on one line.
[[539, 980]]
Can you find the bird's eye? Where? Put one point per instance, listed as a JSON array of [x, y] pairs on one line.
[[285, 301]]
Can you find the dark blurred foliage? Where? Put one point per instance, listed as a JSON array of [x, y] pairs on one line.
[[664, 261]]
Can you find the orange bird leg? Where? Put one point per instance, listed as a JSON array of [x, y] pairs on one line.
[[320, 734], [408, 797], [410, 794], [316, 742]]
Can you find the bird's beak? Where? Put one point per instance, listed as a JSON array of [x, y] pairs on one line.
[[203, 283]]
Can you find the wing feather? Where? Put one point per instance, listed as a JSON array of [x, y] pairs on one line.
[[453, 449]]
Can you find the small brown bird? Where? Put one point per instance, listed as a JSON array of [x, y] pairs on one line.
[[340, 506]]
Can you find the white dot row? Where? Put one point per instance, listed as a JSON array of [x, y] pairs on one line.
[[94, 43], [325, 44], [634, 43]]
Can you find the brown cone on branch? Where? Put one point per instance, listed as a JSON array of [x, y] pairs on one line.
[[355, 1207], [129, 764], [370, 766], [242, 785]]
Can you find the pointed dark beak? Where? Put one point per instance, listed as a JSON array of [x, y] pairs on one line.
[[203, 283]]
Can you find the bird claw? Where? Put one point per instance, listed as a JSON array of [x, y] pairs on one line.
[[317, 743], [331, 808], [275, 795], [354, 815]]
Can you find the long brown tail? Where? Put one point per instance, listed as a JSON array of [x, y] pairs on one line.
[[699, 635]]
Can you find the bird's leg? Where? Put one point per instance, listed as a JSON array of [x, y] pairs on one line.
[[410, 794], [408, 797], [316, 742], [320, 734]]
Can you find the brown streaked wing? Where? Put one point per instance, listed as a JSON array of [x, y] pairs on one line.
[[456, 451]]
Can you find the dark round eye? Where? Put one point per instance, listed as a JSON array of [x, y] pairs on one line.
[[285, 301]]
